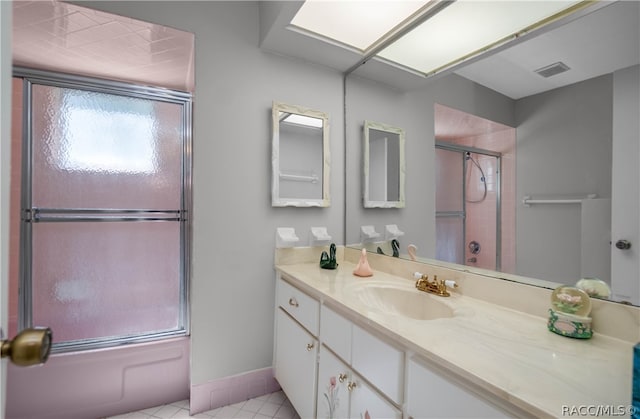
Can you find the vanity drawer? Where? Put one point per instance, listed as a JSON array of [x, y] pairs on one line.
[[335, 331], [381, 363], [299, 305]]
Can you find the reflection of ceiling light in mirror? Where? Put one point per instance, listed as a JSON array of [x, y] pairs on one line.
[[465, 28], [355, 23], [307, 121]]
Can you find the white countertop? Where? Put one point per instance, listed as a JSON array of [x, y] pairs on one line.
[[508, 353]]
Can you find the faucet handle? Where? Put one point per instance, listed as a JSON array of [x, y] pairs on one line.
[[451, 283], [421, 280]]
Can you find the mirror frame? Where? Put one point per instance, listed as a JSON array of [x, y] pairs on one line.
[[276, 200], [368, 203]]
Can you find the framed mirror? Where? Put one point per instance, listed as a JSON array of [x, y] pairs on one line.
[[384, 166], [300, 157]]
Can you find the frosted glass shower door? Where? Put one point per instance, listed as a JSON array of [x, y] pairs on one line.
[[104, 209], [450, 215], [96, 150]]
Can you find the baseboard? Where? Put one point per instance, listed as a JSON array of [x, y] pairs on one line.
[[233, 389]]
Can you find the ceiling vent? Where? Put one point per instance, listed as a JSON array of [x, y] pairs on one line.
[[552, 69]]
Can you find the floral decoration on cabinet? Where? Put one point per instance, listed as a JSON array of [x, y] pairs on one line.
[[332, 396]]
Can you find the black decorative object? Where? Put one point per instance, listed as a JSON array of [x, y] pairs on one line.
[[328, 261]]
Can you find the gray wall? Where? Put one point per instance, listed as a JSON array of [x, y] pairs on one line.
[[563, 148], [232, 284], [414, 112]]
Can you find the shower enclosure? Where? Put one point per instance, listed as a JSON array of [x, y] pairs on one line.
[[104, 203], [468, 206]]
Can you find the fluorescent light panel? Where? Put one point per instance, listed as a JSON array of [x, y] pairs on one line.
[[357, 23], [463, 28], [466, 27]]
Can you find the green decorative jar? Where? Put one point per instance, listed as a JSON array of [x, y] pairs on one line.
[[569, 325]]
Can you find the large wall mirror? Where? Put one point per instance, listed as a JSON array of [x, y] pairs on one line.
[[567, 147], [384, 169], [300, 157]]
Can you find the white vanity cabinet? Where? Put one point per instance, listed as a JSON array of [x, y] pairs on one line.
[[432, 395], [296, 347], [342, 393], [332, 367]]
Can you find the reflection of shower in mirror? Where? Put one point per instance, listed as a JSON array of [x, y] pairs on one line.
[[468, 203], [483, 178]]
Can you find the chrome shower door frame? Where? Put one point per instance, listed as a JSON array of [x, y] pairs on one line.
[[462, 150], [30, 215]]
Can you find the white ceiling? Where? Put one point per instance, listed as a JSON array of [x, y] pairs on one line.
[[600, 40], [598, 43]]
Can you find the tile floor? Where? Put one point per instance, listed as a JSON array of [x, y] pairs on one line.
[[274, 405]]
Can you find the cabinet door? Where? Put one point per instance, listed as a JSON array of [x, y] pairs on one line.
[[333, 376], [336, 333], [366, 403], [431, 395], [378, 361], [295, 364]]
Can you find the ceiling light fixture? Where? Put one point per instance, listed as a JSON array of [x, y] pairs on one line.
[[429, 37], [357, 24]]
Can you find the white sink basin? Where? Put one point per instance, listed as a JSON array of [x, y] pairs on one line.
[[402, 300]]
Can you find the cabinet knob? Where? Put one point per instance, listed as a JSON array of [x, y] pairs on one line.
[[293, 302], [623, 244], [351, 386], [310, 346], [342, 377]]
